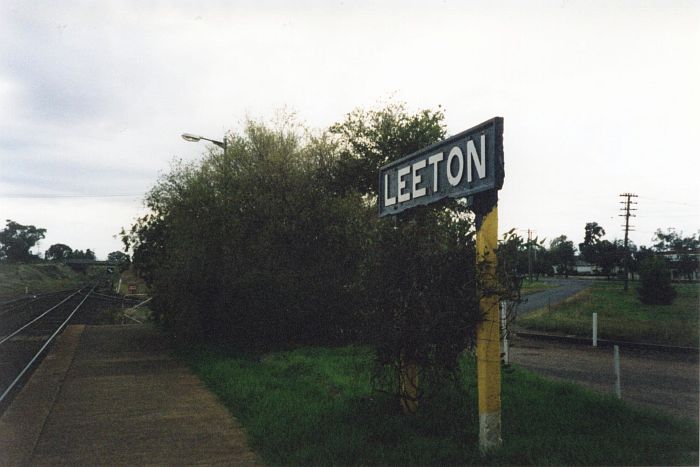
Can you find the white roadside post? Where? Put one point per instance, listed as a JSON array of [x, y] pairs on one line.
[[504, 330], [595, 329]]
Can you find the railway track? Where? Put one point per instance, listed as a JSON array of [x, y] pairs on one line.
[[18, 303], [29, 326]]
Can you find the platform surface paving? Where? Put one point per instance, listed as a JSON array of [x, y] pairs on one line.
[[114, 395]]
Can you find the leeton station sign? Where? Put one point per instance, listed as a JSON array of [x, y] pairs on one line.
[[470, 165], [465, 164]]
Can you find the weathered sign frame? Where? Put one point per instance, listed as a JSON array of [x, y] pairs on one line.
[[457, 167]]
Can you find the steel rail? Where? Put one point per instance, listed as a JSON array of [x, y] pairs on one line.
[[579, 340], [102, 296], [94, 296], [40, 294], [17, 299], [142, 303], [43, 347], [55, 292], [28, 301], [6, 338], [126, 312]]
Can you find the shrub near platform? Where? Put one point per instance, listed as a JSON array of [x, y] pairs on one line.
[[315, 406]]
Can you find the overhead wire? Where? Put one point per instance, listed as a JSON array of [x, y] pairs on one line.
[[670, 202]]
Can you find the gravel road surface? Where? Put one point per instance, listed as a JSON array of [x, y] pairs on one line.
[[663, 381]]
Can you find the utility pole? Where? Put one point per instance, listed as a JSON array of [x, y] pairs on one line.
[[627, 214], [529, 255]]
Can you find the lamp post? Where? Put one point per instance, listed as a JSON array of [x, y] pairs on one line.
[[194, 138]]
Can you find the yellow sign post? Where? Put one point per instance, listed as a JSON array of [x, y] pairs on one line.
[[488, 336]]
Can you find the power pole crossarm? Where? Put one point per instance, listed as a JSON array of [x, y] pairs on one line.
[[627, 214]]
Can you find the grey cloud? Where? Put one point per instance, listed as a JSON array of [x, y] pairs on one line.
[[65, 75], [41, 174]]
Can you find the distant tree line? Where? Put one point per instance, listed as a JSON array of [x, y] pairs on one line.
[[682, 250], [17, 240], [671, 253], [61, 252], [607, 258]]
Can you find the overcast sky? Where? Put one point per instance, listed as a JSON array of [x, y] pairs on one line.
[[599, 98]]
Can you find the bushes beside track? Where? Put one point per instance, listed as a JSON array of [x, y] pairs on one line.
[[276, 243]]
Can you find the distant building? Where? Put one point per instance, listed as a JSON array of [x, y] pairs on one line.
[[675, 262], [584, 268], [678, 264]]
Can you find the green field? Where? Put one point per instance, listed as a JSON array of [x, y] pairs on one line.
[[315, 406], [37, 277], [622, 316]]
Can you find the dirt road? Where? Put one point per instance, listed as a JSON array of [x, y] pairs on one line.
[[666, 382]]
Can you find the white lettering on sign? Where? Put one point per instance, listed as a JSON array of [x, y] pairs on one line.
[[452, 178], [417, 192], [472, 155], [434, 160], [406, 190], [463, 165], [388, 201], [403, 171]]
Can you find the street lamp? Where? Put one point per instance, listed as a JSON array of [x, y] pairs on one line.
[[194, 138]]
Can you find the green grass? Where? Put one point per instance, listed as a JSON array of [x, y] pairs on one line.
[[530, 287], [314, 406], [38, 277], [130, 277], [622, 316]]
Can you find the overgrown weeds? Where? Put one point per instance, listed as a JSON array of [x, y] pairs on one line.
[[315, 406]]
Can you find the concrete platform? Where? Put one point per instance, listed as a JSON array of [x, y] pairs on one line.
[[113, 395]]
